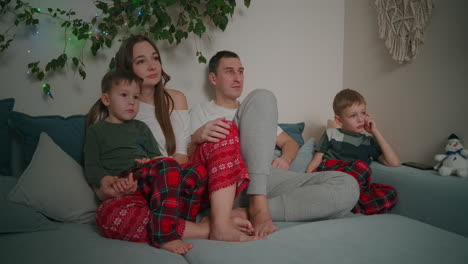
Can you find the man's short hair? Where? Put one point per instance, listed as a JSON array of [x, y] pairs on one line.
[[214, 61], [346, 98]]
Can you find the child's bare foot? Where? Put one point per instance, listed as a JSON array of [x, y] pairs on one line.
[[239, 212], [243, 225], [229, 231], [177, 246]]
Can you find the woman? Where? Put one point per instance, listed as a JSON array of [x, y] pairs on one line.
[[165, 112]]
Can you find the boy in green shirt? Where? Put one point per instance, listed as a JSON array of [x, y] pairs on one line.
[[347, 149]]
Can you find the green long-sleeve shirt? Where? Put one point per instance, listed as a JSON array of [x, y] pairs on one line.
[[112, 148]]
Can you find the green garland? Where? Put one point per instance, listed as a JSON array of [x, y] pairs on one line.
[[150, 17]]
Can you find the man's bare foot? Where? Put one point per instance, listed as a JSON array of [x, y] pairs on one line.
[[262, 223], [177, 246], [230, 231]]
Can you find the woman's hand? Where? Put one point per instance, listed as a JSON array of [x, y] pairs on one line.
[[212, 131]]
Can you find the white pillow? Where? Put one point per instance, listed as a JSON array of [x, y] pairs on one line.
[[55, 185]]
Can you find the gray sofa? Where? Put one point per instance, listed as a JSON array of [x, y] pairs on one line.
[[429, 225]]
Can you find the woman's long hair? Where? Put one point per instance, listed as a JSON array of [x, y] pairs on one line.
[[164, 104]]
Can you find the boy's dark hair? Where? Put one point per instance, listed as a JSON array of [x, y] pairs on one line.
[[214, 61], [99, 111], [346, 98], [114, 78]]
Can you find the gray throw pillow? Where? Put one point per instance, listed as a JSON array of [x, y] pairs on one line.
[[54, 184]]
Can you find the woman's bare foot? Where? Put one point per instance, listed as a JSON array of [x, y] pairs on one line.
[[177, 246], [197, 230]]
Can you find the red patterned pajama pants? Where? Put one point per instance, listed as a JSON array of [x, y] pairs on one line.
[[169, 194], [374, 198]]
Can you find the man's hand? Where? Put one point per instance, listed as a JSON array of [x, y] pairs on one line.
[[281, 163], [212, 131]]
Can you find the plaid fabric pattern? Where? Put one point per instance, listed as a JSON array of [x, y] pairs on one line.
[[168, 194], [223, 162], [374, 198]]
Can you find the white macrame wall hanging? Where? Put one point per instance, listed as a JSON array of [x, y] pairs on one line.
[[401, 24]]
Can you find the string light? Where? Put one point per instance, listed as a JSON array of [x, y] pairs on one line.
[[140, 13]]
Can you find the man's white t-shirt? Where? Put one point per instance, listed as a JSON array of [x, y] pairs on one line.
[[200, 114], [180, 121]]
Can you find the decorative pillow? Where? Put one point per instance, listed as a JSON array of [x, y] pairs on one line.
[[294, 131], [55, 185], [19, 218], [67, 132], [304, 156], [6, 105]]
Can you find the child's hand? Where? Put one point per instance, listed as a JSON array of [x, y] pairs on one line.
[[141, 161], [125, 186], [106, 191], [369, 125], [310, 168]]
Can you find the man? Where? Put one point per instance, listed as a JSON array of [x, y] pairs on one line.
[[274, 194]]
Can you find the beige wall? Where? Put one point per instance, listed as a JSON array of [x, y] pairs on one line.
[[294, 48], [419, 104]]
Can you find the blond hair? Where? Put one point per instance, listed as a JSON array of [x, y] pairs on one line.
[[346, 98]]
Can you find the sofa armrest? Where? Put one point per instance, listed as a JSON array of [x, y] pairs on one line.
[[427, 197]]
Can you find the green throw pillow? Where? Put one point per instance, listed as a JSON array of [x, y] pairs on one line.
[[55, 185], [6, 105], [67, 132], [294, 131]]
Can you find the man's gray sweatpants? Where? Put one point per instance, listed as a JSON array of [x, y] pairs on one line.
[[292, 196]]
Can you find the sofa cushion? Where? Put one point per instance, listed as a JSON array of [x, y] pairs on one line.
[[19, 218], [16, 217], [294, 130], [6, 105], [383, 239], [67, 132], [6, 184], [54, 184], [73, 243], [426, 196]]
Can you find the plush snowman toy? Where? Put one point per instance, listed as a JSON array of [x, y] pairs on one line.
[[454, 161]]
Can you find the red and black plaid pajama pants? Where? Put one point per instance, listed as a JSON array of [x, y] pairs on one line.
[[374, 198], [169, 194]]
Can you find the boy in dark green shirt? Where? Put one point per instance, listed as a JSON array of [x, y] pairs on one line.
[[347, 149]]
